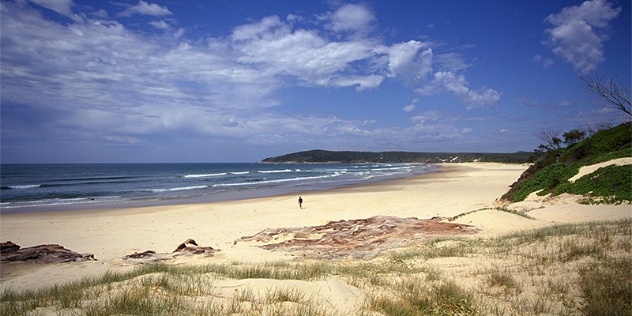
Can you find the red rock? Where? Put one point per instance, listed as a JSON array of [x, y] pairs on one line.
[[360, 238]]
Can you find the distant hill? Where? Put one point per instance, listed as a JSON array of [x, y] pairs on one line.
[[550, 173], [325, 156]]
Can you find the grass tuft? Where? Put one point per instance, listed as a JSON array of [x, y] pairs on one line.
[[607, 287]]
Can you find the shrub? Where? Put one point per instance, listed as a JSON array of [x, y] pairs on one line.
[[612, 183]]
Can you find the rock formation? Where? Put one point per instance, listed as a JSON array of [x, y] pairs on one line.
[[195, 249], [189, 247], [360, 238], [51, 253]]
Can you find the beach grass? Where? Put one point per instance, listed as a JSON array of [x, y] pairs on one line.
[[563, 270]]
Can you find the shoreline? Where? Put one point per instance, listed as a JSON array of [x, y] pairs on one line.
[[214, 196], [111, 234]]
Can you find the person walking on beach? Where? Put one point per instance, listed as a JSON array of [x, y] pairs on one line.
[[300, 202]]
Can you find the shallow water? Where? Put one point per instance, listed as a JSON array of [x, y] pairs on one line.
[[47, 187]]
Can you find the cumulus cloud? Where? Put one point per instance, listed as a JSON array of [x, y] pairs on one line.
[[455, 83], [351, 18], [405, 60], [276, 49], [579, 33], [410, 107], [103, 79], [144, 8], [416, 63]]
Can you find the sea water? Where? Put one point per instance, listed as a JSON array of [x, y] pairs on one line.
[[48, 187]]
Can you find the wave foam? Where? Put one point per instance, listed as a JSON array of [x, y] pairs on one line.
[[205, 175], [193, 187], [21, 187], [275, 171], [272, 181]]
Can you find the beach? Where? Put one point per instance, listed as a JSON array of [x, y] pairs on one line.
[[111, 234]]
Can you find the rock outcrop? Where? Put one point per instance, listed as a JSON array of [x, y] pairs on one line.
[[189, 247], [50, 253], [360, 238], [195, 249]]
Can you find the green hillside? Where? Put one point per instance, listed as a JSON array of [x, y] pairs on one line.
[[551, 172]]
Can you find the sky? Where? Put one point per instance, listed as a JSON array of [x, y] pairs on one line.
[[238, 81]]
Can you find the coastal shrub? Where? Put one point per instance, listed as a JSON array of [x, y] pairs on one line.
[[553, 168], [612, 184], [545, 181], [627, 152], [616, 139]]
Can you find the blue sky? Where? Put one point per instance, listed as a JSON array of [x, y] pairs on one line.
[[239, 81]]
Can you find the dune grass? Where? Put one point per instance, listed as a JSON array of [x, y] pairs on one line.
[[561, 270]]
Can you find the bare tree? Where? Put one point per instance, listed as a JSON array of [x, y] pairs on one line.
[[551, 136], [617, 96]]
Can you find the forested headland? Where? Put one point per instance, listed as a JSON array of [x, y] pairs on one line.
[[326, 156]]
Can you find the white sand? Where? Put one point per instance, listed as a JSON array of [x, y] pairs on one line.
[[112, 234]]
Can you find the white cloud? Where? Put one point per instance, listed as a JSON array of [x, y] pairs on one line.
[[103, 79], [452, 82], [565, 103], [59, 6], [275, 49], [425, 117], [362, 82], [450, 61], [405, 60], [414, 61], [545, 62], [410, 107], [351, 17], [63, 7], [102, 14], [144, 8], [255, 30], [159, 24], [579, 33]]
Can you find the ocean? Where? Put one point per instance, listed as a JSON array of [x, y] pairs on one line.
[[54, 187]]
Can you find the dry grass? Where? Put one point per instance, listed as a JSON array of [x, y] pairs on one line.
[[560, 270]]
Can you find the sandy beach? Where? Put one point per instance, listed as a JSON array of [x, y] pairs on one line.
[[114, 233]]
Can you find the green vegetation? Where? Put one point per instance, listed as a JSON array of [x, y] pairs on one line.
[[552, 169], [324, 156], [611, 184], [559, 270]]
